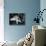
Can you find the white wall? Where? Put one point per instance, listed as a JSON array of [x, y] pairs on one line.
[[1, 21]]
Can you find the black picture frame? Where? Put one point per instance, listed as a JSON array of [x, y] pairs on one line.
[[17, 18]]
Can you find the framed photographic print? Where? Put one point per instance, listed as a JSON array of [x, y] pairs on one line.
[[17, 19]]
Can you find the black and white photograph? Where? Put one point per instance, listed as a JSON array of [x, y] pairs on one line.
[[17, 19]]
